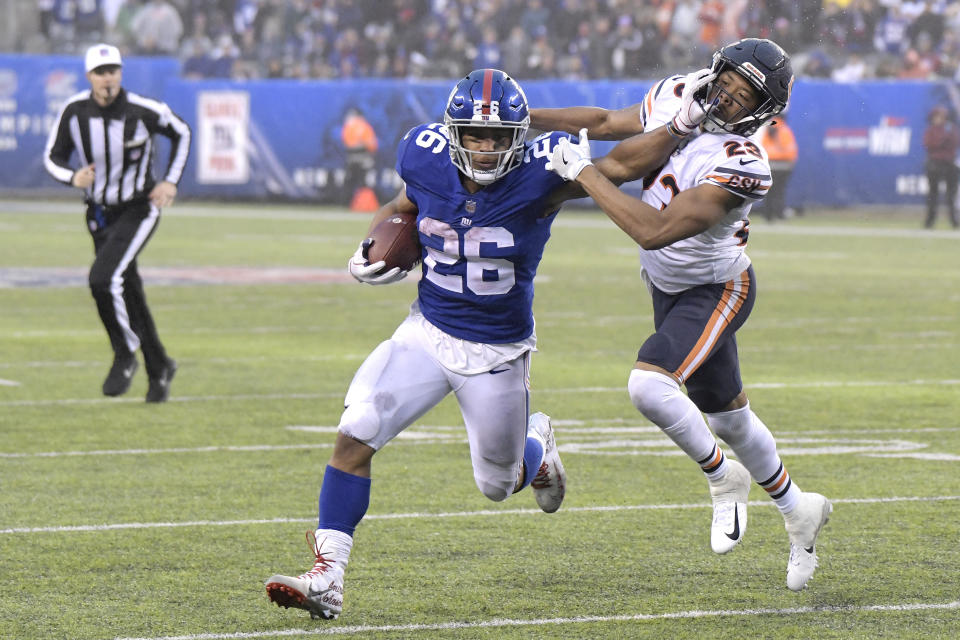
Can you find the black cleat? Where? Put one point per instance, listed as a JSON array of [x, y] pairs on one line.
[[159, 387], [120, 376]]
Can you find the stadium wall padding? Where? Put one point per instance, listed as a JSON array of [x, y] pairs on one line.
[[859, 143]]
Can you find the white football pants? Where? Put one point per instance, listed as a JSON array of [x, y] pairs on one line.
[[399, 382]]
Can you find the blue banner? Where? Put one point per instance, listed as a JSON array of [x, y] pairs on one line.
[[280, 139], [32, 91]]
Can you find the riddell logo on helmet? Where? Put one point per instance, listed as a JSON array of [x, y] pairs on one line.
[[754, 71]]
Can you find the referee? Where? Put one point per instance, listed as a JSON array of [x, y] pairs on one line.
[[112, 130]]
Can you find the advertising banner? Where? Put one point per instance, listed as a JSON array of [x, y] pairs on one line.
[[859, 144], [223, 119]]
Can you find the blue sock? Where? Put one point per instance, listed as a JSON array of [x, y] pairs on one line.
[[532, 457], [344, 499]]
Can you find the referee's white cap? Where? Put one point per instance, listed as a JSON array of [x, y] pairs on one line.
[[102, 54]]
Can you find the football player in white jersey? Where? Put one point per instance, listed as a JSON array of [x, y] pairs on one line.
[[692, 226]]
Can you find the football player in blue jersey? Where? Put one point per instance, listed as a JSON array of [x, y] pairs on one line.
[[691, 223], [484, 203]]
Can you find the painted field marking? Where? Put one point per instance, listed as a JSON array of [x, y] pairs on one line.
[[539, 622], [443, 515], [578, 440], [83, 364], [836, 384]]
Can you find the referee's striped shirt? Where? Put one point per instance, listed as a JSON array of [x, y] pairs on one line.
[[118, 141]]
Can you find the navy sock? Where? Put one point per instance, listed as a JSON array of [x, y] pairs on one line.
[[532, 457], [344, 499]]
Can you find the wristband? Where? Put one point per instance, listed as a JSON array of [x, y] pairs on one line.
[[676, 133]]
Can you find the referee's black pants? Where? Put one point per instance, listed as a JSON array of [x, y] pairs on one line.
[[119, 235]]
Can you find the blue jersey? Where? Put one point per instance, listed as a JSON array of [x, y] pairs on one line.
[[481, 250]]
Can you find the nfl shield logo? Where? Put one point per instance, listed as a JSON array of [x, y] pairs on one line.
[[471, 206]]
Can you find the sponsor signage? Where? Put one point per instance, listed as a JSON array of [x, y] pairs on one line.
[[223, 120]]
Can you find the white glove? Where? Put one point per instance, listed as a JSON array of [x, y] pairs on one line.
[[691, 112], [363, 271], [569, 159]]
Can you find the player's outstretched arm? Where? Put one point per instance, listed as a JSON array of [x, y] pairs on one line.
[[689, 213], [639, 155], [630, 160], [601, 124]]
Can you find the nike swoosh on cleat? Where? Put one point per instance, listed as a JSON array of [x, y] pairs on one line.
[[736, 525], [494, 372], [128, 372]]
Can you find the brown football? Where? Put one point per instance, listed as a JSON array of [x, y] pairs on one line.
[[396, 242]]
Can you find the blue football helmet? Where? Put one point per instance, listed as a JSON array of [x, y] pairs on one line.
[[487, 98], [767, 68]]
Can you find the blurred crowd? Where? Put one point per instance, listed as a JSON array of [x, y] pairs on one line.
[[843, 40]]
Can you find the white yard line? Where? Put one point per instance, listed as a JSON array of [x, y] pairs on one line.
[[826, 384], [540, 622], [442, 515], [63, 364]]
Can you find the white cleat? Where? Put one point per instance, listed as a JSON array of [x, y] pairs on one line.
[[550, 484], [803, 525], [320, 590], [729, 495]]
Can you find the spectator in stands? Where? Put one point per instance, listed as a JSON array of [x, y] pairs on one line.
[[515, 51], [854, 69], [941, 141], [785, 33], [247, 65], [542, 61], [711, 18], [627, 44], [600, 64], [45, 11], [437, 38], [487, 54], [347, 55], [685, 23], [88, 22], [157, 28], [929, 22], [862, 17], [195, 50], [920, 63], [651, 42], [222, 57], [576, 54], [778, 140], [534, 17], [891, 33]]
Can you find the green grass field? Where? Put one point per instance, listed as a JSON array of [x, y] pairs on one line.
[[125, 520]]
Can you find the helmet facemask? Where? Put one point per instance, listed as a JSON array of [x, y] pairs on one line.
[[506, 160], [746, 120]]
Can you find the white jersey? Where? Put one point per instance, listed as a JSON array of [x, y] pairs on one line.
[[727, 160]]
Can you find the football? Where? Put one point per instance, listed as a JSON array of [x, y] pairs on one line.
[[396, 242]]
